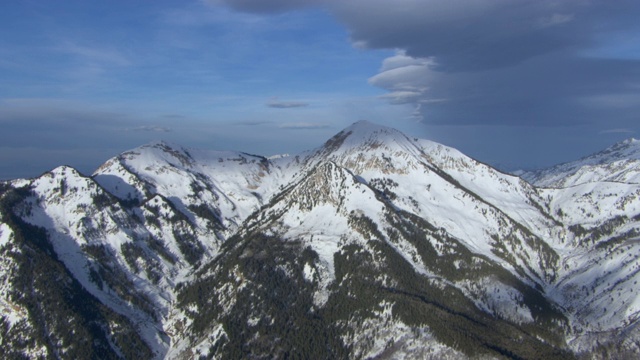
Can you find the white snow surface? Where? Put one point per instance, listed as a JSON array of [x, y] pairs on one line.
[[5, 234]]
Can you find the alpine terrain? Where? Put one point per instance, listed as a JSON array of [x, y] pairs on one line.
[[374, 245]]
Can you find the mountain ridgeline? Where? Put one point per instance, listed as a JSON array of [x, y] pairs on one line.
[[374, 245]]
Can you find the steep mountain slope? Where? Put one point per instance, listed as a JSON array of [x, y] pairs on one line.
[[430, 181], [618, 163], [372, 245], [139, 226], [601, 258], [597, 199], [333, 256], [47, 311]]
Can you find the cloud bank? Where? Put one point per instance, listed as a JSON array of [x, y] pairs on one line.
[[497, 62]]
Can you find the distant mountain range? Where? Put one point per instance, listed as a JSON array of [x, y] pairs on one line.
[[374, 245], [618, 163]]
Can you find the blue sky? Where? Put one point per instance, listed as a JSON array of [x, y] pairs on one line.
[[513, 83]]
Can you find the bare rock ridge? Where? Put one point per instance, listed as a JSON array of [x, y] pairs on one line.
[[374, 244]]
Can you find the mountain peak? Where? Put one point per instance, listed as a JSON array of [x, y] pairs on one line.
[[160, 149], [63, 171], [364, 134], [365, 146], [364, 123], [627, 143], [368, 127], [162, 145]]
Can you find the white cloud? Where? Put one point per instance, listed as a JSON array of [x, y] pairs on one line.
[[401, 60], [402, 97], [554, 20], [406, 78]]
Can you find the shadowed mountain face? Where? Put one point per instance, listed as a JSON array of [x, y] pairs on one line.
[[372, 245]]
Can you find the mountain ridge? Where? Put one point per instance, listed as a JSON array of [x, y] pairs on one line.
[[617, 163], [382, 244]]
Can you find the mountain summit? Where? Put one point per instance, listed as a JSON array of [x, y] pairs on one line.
[[374, 244]]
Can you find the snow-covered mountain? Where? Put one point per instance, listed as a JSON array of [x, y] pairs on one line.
[[375, 244], [618, 163]]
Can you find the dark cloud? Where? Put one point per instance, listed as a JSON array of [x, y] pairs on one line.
[[545, 80], [502, 62], [498, 62], [469, 35], [555, 89]]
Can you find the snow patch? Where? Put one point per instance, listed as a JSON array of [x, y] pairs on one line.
[[308, 272], [6, 234]]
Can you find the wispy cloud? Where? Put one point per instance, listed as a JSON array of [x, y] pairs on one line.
[[275, 103], [94, 54], [252, 123], [554, 20], [619, 100], [303, 125], [151, 128], [208, 13], [616, 131], [173, 116], [264, 7]]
